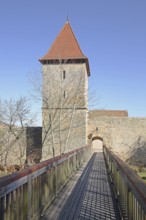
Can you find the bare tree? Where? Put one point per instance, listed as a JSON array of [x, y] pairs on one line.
[[15, 116], [60, 101]]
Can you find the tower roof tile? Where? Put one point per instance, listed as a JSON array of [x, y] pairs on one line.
[[65, 47]]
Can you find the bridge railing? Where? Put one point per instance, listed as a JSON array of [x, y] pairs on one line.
[[130, 190], [25, 195]]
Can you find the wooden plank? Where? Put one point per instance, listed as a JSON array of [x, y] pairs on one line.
[[134, 183], [2, 201], [22, 198], [25, 201], [12, 186], [21, 203], [29, 197]]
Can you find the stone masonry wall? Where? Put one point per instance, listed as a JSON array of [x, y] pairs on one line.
[[64, 109], [33, 144], [21, 148], [68, 135], [110, 113], [125, 136]]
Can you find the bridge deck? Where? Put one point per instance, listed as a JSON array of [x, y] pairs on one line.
[[91, 197]]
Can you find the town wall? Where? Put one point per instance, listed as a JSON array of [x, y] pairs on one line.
[[21, 147], [33, 145], [124, 135]]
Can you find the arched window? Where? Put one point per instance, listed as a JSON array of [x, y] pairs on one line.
[[64, 94], [64, 74]]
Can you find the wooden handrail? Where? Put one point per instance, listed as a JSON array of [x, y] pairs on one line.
[[30, 191], [133, 183], [17, 175]]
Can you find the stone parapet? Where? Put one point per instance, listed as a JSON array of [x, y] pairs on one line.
[[126, 136]]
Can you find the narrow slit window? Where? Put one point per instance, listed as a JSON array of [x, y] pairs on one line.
[[64, 74], [64, 94]]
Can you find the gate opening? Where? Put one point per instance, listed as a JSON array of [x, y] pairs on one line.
[[97, 144]]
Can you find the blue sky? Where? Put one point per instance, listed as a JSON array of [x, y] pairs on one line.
[[111, 33]]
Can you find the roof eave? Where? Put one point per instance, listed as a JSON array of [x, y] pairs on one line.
[[41, 60]]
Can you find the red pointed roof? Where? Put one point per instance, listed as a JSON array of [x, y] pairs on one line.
[[65, 47]]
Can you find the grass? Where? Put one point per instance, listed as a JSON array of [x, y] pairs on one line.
[[140, 171], [4, 174], [142, 175]]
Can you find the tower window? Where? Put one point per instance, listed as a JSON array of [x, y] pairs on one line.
[[64, 94], [64, 74]]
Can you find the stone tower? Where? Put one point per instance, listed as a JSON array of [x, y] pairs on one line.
[[65, 95]]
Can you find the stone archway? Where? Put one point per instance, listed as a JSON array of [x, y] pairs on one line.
[[97, 144]]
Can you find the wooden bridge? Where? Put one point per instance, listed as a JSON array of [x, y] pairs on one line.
[[77, 185]]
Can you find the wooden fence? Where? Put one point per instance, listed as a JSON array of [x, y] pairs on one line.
[[26, 195], [129, 189]]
